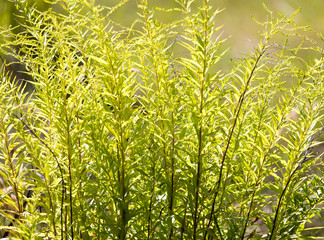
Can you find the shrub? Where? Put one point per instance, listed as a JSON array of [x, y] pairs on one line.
[[121, 139]]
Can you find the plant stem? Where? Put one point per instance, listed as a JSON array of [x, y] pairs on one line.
[[282, 195], [58, 164], [236, 116]]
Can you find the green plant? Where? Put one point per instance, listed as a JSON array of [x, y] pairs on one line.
[[123, 140]]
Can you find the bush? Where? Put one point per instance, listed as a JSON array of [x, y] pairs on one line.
[[121, 139]]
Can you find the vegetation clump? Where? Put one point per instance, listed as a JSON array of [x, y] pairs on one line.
[[121, 139]]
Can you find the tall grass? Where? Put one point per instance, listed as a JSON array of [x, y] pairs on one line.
[[123, 140]]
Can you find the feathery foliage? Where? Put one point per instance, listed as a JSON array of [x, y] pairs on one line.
[[121, 139]]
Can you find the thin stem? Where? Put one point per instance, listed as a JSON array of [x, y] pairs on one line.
[[11, 166], [162, 115], [236, 115], [282, 195], [200, 130], [183, 225], [70, 173], [172, 174], [197, 184], [58, 164], [263, 160]]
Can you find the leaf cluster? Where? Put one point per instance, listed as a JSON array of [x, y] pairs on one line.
[[121, 139]]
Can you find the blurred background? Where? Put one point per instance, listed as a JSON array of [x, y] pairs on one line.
[[238, 27], [236, 17]]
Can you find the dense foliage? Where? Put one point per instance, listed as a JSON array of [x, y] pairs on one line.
[[123, 140]]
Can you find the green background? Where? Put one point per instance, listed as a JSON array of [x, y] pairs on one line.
[[236, 17]]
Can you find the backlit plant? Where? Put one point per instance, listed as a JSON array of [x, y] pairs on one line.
[[122, 139]]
